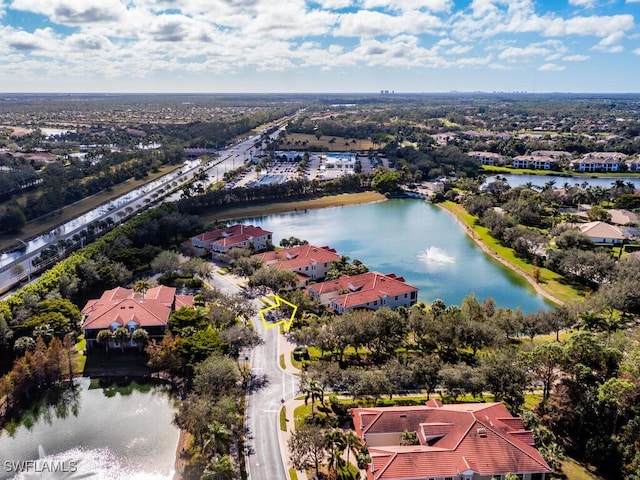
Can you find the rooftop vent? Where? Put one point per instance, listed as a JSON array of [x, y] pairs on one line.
[[482, 432]]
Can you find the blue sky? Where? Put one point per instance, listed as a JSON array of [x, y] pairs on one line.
[[319, 45]]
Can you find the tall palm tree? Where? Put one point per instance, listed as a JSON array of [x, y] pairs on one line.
[[141, 287], [352, 442], [217, 437], [104, 337], [313, 391], [337, 443], [121, 335], [141, 337]]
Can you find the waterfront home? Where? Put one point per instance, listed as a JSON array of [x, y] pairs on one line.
[[487, 158], [471, 441], [371, 290], [633, 165], [122, 307], [221, 240], [599, 162], [308, 261], [536, 162]]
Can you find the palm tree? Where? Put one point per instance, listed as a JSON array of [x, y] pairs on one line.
[[409, 438], [217, 437], [121, 335], [141, 287], [104, 337], [141, 337], [313, 391], [352, 442], [220, 467], [363, 458], [45, 331], [337, 443]]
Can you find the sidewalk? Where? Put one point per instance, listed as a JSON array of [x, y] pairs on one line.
[[286, 347], [291, 405]]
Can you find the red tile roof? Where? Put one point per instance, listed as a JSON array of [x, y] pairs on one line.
[[298, 256], [482, 438], [122, 305], [363, 288], [232, 235]]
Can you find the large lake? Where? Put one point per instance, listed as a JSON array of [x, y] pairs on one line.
[[112, 432], [414, 239]]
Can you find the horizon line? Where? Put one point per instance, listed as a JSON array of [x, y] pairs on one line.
[[382, 92]]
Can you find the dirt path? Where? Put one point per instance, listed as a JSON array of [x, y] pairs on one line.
[[497, 257]]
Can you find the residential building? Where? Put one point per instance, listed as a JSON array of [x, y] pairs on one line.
[[601, 232], [236, 236], [633, 164], [372, 290], [122, 307], [536, 162], [308, 261], [487, 158], [600, 162], [471, 441], [623, 217], [553, 154]]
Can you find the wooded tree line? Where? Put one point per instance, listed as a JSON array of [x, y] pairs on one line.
[[294, 189]]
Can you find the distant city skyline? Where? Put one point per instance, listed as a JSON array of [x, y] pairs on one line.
[[262, 46]]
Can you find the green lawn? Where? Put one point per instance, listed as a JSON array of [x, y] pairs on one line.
[[293, 474], [81, 357], [300, 413], [282, 364], [549, 281], [575, 471], [296, 363]]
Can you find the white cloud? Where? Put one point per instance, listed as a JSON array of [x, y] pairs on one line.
[[335, 4], [72, 12], [610, 43], [459, 50], [408, 5], [598, 26], [25, 42], [582, 3], [371, 23], [547, 49], [576, 58], [551, 67]]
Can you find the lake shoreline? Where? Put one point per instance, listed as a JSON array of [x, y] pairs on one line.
[[485, 248], [271, 208]]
